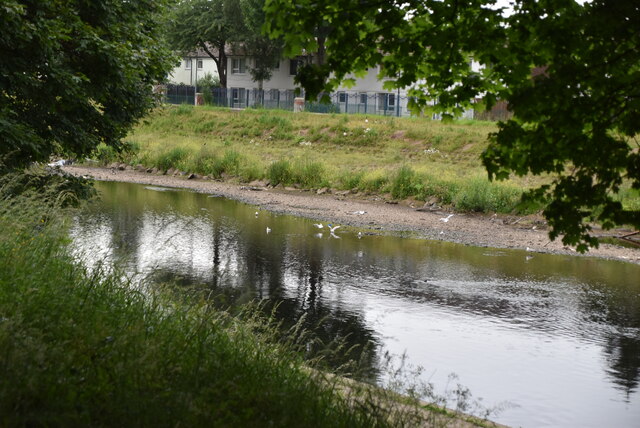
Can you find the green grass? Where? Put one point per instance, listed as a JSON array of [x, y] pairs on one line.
[[87, 348], [402, 157]]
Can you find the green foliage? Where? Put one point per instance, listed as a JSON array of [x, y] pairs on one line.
[[264, 50], [480, 195], [350, 179], [403, 183], [309, 174], [172, 158], [206, 85], [75, 74], [84, 347], [104, 154], [53, 190], [279, 172], [568, 71]]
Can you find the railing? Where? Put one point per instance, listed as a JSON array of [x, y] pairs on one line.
[[386, 104]]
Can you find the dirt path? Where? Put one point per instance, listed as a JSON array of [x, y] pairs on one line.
[[375, 214]]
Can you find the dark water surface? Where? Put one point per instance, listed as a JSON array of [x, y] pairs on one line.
[[557, 337]]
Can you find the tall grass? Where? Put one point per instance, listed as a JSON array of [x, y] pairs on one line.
[[85, 348]]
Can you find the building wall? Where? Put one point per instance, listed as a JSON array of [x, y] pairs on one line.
[[376, 97], [187, 76]]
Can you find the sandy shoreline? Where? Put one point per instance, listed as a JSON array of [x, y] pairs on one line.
[[357, 210]]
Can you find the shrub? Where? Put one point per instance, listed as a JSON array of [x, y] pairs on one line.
[[483, 196], [172, 158], [104, 154], [403, 183], [309, 174], [279, 172], [206, 85]]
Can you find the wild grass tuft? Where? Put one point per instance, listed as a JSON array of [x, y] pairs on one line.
[[404, 183], [279, 172], [481, 195], [309, 174], [172, 158]]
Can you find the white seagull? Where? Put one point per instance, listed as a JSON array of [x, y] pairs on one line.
[[332, 228], [318, 225], [446, 219], [268, 229]]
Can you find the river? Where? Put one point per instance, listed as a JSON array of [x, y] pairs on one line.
[[554, 341]]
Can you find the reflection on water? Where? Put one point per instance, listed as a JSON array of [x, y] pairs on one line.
[[558, 337]]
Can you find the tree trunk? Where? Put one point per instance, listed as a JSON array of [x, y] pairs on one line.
[[220, 60]]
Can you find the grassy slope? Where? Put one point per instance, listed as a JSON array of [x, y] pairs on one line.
[[407, 157], [403, 157]]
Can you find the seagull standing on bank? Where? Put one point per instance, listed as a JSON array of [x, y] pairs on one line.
[[446, 219]]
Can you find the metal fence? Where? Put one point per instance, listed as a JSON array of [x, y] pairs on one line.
[[380, 103], [386, 104]]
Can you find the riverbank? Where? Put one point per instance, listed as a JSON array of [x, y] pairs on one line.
[[86, 347], [377, 214]]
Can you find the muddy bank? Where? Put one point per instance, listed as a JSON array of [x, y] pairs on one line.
[[373, 213]]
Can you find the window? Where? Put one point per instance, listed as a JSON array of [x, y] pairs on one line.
[[342, 97], [238, 66], [386, 101], [363, 98], [293, 67], [276, 66], [199, 64], [187, 64], [391, 101]]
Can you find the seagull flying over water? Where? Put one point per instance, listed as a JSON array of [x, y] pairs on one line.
[[332, 228], [446, 219]]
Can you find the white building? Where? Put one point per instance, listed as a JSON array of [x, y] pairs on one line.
[[192, 67], [366, 96]]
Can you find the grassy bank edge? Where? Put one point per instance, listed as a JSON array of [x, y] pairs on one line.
[[86, 347], [397, 158]]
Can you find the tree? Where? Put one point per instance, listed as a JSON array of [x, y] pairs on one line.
[[75, 74], [266, 52], [577, 121], [210, 25]]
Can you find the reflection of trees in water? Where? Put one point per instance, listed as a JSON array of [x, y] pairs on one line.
[[623, 357], [620, 309], [337, 336]]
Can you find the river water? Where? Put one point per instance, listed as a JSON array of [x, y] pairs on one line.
[[553, 340]]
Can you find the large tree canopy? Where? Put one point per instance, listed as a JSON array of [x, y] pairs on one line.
[[209, 25], [75, 74], [576, 120], [216, 25]]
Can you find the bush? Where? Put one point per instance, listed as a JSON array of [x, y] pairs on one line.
[[279, 172], [104, 154], [172, 158], [309, 174], [403, 183], [206, 85], [480, 195]]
